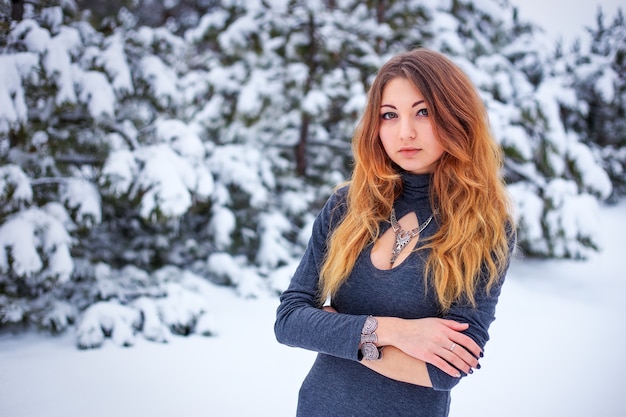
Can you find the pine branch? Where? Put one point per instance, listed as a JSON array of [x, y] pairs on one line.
[[79, 159]]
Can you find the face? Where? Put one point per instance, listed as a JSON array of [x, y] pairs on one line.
[[406, 130]]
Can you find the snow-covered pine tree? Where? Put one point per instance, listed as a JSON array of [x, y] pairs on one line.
[[88, 124], [282, 77], [555, 181], [50, 143], [143, 161], [598, 69], [176, 15]]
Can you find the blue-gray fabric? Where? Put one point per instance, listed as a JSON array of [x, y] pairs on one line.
[[337, 384]]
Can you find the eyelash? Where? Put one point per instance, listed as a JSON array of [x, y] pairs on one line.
[[386, 116]]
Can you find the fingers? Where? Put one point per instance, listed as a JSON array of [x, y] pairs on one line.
[[454, 325], [445, 367], [455, 361], [470, 347], [460, 350], [460, 358], [461, 339], [441, 343]]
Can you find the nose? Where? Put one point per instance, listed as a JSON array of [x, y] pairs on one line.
[[407, 130]]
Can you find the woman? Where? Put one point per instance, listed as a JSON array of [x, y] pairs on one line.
[[412, 252]]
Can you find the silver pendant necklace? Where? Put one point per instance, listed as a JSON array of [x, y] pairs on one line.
[[402, 236]]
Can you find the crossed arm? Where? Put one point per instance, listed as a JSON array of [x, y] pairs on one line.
[[417, 351], [410, 344]]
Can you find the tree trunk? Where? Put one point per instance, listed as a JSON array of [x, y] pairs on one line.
[[301, 148], [301, 163], [17, 10]]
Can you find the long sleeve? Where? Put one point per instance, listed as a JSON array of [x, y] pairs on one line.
[[479, 319], [299, 320]]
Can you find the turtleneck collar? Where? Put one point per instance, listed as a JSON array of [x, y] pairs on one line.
[[415, 197], [415, 186]]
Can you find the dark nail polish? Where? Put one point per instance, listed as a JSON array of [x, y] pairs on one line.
[[482, 354], [478, 366], [471, 371]]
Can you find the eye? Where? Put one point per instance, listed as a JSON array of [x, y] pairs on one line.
[[388, 116], [422, 112]]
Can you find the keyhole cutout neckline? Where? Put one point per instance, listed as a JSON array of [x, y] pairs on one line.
[[413, 199], [381, 252]]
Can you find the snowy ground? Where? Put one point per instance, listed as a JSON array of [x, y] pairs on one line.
[[556, 350]]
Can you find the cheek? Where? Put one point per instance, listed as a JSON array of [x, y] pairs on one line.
[[381, 136], [437, 151], [440, 154], [436, 144], [384, 142], [439, 148], [384, 135]]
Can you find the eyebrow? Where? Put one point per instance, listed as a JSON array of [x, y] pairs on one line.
[[417, 103]]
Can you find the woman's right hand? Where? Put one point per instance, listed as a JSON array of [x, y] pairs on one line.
[[432, 340]]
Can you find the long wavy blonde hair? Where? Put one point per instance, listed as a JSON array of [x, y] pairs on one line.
[[468, 191]]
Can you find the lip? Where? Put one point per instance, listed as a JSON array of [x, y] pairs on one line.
[[408, 151]]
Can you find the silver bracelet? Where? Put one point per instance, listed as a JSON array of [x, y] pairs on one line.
[[368, 337]]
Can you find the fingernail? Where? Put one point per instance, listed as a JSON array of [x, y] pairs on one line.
[[471, 371], [458, 375], [482, 354], [478, 366]]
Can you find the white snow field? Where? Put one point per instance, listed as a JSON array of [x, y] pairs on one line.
[[556, 350]]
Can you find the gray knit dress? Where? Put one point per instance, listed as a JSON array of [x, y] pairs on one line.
[[337, 384]]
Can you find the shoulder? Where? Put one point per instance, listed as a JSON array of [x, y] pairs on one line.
[[334, 209], [511, 233], [339, 197], [337, 204]]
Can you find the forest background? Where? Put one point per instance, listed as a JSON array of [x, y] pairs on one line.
[[148, 149]]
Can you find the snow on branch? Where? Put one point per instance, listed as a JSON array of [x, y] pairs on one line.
[[15, 187], [83, 198], [162, 80], [571, 222], [227, 268], [165, 192], [35, 242], [13, 108], [113, 59], [108, 319], [183, 307], [243, 166]]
